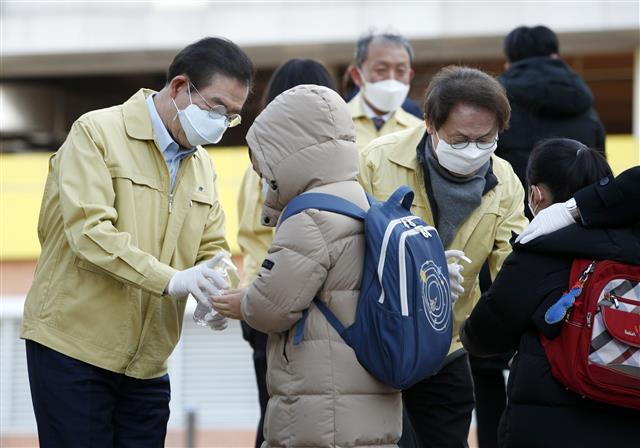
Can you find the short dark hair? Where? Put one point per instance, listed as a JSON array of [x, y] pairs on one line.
[[210, 56], [295, 72], [528, 42], [453, 85], [362, 46], [565, 166]]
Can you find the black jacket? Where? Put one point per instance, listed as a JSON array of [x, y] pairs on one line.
[[611, 202], [548, 99], [540, 411]]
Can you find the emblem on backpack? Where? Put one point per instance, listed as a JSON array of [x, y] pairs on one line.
[[435, 296]]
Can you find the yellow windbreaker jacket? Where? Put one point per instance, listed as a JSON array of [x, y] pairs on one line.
[[112, 236]]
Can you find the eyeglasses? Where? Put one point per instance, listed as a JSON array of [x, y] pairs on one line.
[[479, 144], [219, 110]]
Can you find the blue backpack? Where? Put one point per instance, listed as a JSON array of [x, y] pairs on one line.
[[402, 330]]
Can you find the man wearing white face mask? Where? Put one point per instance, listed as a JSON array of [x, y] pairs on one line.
[[130, 226], [473, 198], [383, 73]]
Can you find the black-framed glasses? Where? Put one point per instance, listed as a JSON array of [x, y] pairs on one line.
[[483, 145], [219, 110]]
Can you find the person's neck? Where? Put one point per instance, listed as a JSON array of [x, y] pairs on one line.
[[166, 110]]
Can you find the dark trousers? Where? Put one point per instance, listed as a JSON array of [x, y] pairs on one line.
[[440, 407], [491, 399], [80, 405], [488, 384], [258, 342]]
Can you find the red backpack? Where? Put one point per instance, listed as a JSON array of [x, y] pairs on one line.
[[597, 353]]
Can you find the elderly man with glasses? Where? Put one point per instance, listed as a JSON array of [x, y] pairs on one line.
[[130, 225], [474, 200]]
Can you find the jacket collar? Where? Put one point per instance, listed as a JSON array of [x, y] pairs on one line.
[[137, 121], [357, 111], [399, 154]]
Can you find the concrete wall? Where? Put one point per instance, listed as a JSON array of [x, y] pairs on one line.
[[48, 38]]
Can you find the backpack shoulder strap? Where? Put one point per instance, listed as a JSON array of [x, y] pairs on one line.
[[322, 201], [328, 314]]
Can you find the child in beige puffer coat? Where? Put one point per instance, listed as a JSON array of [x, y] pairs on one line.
[[320, 396]]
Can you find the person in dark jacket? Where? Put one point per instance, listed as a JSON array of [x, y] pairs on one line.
[[610, 202], [547, 98], [541, 412]]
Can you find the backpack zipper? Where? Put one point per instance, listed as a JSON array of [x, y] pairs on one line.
[[420, 230], [406, 221]]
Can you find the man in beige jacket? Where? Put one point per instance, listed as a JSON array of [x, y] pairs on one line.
[[130, 225], [473, 198], [320, 395], [382, 71]]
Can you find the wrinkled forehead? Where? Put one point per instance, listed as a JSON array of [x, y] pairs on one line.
[[387, 52]]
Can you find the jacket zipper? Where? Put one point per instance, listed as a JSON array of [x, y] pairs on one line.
[[178, 178]]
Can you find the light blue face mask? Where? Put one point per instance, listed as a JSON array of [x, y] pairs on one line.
[[201, 127]]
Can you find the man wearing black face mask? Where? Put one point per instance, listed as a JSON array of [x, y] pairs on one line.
[[130, 226]]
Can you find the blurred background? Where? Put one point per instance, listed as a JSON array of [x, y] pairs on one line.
[[62, 59]]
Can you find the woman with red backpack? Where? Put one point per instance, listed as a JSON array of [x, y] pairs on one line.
[[522, 311]]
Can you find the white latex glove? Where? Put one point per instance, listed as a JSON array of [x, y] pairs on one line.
[[455, 269], [201, 281], [548, 220], [216, 321]]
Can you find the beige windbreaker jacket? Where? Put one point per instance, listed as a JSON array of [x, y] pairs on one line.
[[320, 395], [112, 236]]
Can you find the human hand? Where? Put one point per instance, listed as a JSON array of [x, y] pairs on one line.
[[548, 220], [455, 269], [216, 321], [228, 304], [201, 281]]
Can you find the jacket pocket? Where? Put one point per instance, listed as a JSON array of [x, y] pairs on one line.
[[199, 208], [202, 199], [135, 178]]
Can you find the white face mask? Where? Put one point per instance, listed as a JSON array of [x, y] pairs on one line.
[[201, 127], [385, 95], [462, 161]]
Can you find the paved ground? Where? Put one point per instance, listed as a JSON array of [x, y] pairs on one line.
[[176, 439]]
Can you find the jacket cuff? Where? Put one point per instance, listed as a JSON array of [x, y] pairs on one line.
[[159, 278]]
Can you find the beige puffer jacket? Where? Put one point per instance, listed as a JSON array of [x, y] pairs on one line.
[[320, 395]]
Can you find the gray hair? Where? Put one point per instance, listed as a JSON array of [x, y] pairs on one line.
[[362, 46]]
